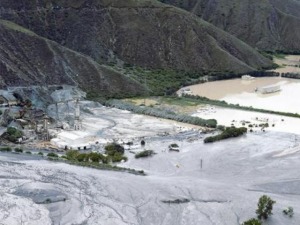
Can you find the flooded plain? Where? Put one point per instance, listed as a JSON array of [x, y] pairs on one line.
[[238, 91]]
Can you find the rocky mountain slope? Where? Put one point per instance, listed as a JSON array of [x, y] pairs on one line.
[[264, 24], [145, 33], [28, 59]]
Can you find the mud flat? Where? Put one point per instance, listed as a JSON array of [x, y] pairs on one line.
[[103, 125], [238, 118], [234, 174]]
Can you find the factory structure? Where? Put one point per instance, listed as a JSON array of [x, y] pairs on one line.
[[36, 124]]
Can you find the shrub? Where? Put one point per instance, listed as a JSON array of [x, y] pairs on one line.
[[227, 133], [82, 157], [72, 154], [19, 150], [52, 154], [221, 127], [174, 145], [13, 134], [265, 206], [5, 149], [95, 157], [41, 154], [145, 153], [117, 157], [252, 221], [289, 211], [28, 152], [112, 148]]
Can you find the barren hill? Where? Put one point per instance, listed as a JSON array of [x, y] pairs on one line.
[[28, 59], [265, 24], [143, 33]]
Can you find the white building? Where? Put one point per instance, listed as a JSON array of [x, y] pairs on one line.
[[247, 77], [268, 89]]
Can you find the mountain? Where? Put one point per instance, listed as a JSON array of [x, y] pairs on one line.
[[268, 25], [143, 33], [28, 59]]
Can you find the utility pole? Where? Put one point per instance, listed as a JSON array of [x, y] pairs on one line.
[[145, 82]]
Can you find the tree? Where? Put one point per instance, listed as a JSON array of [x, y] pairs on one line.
[[265, 206], [252, 221], [13, 134]]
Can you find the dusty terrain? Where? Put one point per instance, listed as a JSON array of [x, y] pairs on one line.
[[234, 175]]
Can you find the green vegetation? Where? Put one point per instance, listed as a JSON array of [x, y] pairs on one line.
[[229, 132], [99, 161], [174, 145], [289, 211], [252, 221], [5, 149], [144, 154], [13, 134], [41, 154], [264, 207], [19, 150], [28, 152], [115, 152], [161, 113], [162, 81], [52, 155]]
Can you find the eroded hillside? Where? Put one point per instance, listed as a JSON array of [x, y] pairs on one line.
[[265, 24], [28, 59], [142, 33]]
